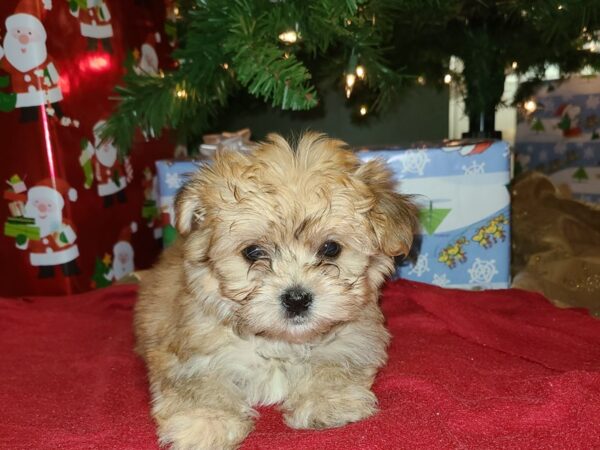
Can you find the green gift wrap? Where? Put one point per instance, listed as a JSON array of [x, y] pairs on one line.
[[21, 227], [149, 210]]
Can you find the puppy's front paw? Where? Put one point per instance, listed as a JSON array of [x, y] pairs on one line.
[[332, 409], [204, 429]]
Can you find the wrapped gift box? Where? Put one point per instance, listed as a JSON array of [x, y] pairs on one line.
[[68, 198], [464, 205], [562, 136], [21, 226], [171, 176]]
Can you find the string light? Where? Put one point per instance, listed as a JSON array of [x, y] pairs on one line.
[[447, 78], [181, 93], [360, 72], [530, 106], [592, 46], [225, 66], [348, 92], [514, 65], [560, 7], [421, 80], [350, 79], [363, 110], [289, 37]]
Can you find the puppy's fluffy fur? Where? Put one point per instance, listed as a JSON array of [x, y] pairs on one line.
[[210, 322]]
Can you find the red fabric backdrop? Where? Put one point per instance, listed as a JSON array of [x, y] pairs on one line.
[[42, 147], [469, 370]]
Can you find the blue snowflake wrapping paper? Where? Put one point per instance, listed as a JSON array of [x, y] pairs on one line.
[[561, 138], [464, 208], [171, 176]]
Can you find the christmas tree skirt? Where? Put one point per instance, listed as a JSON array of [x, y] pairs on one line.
[[466, 369]]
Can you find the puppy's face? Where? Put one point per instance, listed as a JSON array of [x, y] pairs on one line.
[[293, 241]]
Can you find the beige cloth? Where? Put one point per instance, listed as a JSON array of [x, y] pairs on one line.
[[555, 243]]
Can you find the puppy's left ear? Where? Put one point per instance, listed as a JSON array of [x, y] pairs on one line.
[[394, 216], [189, 210]]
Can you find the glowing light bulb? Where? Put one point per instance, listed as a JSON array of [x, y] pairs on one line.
[[225, 66], [289, 37], [447, 78], [421, 80], [350, 79], [363, 110], [360, 72], [514, 65], [530, 106], [181, 93], [348, 91]]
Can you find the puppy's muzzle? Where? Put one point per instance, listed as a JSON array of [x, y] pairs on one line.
[[296, 301]]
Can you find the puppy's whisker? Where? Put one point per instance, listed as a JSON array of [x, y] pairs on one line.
[[326, 266]]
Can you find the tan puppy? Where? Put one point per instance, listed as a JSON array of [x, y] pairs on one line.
[[271, 294]]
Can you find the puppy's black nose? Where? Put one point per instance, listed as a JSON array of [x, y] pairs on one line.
[[296, 300]]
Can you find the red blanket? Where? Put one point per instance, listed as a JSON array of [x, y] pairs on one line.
[[496, 369]]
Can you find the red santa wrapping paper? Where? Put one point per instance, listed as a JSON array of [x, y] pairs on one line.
[[72, 203]]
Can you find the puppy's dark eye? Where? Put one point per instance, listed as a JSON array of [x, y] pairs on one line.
[[330, 249], [254, 253]]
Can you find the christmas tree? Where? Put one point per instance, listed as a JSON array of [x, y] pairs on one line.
[[276, 50], [580, 175], [101, 276], [537, 125]]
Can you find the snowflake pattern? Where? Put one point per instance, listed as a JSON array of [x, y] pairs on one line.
[[173, 180], [560, 148], [482, 271], [421, 266], [588, 153], [474, 168], [548, 104], [413, 161], [592, 102], [440, 280]]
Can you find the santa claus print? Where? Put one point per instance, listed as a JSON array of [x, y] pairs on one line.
[[94, 22], [101, 161], [121, 263], [123, 254], [147, 58], [44, 232], [34, 79], [569, 120]]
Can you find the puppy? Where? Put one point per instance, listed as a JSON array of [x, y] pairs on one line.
[[270, 296]]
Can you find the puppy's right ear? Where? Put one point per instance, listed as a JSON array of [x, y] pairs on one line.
[[189, 211]]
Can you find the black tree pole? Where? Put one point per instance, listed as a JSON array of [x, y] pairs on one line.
[[484, 76]]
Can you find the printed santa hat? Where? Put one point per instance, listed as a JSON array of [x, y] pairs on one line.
[[96, 131], [150, 62], [28, 14], [48, 189], [125, 234], [153, 39]]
